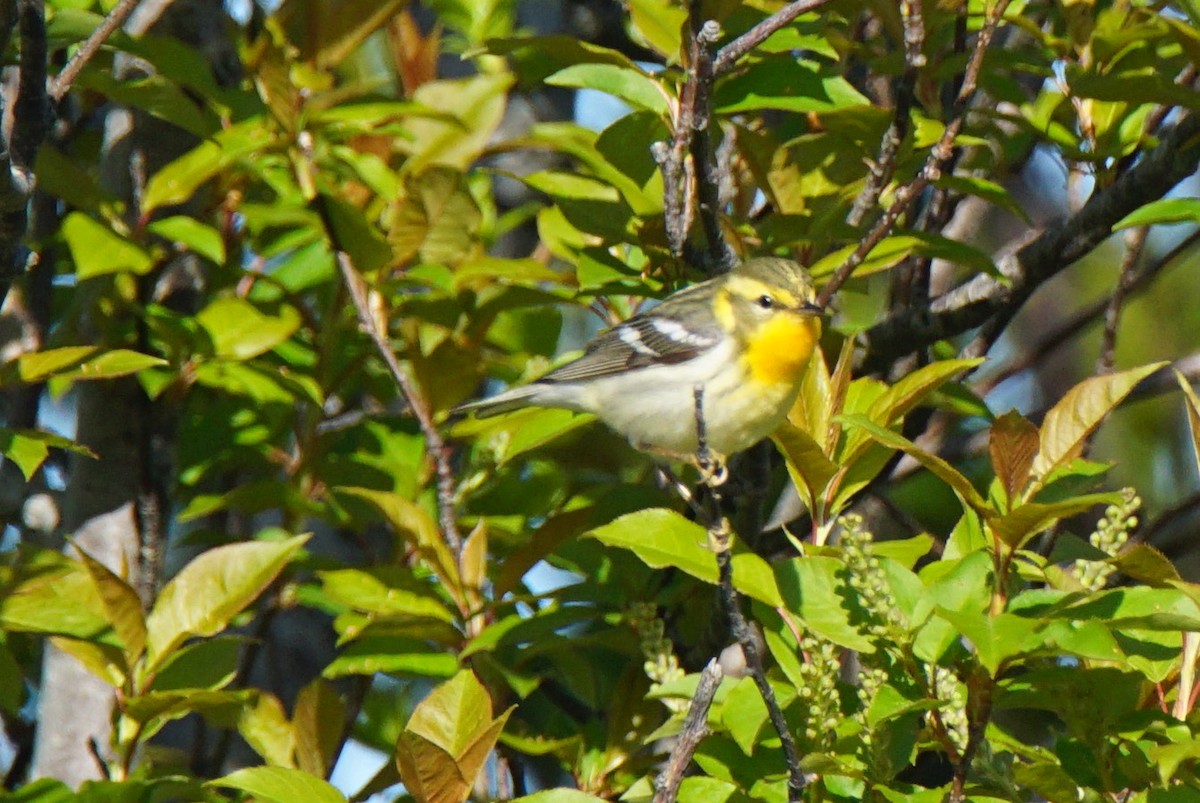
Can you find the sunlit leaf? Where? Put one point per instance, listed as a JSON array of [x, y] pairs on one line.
[[939, 467], [121, 603], [1072, 420], [280, 785], [211, 589], [97, 250], [447, 740], [663, 538], [632, 86], [240, 330]]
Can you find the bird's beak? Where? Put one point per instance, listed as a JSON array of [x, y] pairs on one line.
[[809, 308]]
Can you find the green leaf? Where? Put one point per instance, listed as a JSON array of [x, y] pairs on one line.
[[121, 603], [1192, 405], [179, 180], [658, 24], [474, 107], [240, 331], [786, 84], [392, 655], [447, 740], [662, 538], [1072, 420], [1025, 521], [807, 464], [378, 593], [98, 250], [265, 727], [210, 590], [28, 449], [559, 796], [318, 720], [416, 527], [743, 713], [280, 785], [436, 217], [111, 364], [58, 598], [936, 465], [193, 235], [630, 85], [814, 590]]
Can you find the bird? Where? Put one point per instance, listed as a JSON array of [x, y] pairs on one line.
[[739, 343]]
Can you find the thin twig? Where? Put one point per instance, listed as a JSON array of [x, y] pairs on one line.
[[60, 85], [939, 156], [1054, 249], [434, 444], [729, 55], [880, 170], [1071, 327], [708, 174], [979, 711], [695, 728], [1135, 242], [720, 535]]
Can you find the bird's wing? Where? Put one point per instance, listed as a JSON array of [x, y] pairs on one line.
[[642, 341]]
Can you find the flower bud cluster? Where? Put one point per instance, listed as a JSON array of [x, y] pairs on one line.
[[864, 574], [818, 690], [1110, 536], [870, 680], [951, 695], [661, 666]]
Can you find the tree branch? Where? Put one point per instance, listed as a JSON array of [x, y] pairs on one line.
[[1135, 242], [729, 55], [434, 444], [720, 535], [984, 297], [695, 728], [60, 85], [939, 156], [880, 170]]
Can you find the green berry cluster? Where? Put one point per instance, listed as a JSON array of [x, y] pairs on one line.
[[865, 575], [1110, 536], [661, 666], [951, 694], [818, 690]]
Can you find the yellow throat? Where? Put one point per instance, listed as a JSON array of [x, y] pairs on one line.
[[779, 351]]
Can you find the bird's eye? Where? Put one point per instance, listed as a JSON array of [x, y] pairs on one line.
[[765, 301]]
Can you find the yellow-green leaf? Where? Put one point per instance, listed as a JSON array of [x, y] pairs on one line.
[[96, 249], [1071, 422], [210, 590], [280, 785]]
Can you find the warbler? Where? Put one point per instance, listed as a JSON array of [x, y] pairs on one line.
[[743, 338]]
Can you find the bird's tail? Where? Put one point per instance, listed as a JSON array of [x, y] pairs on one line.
[[504, 402]]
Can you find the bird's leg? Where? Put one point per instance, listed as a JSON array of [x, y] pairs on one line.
[[711, 465]]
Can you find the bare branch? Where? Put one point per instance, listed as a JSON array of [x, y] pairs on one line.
[[708, 173], [60, 85], [31, 112], [985, 297], [881, 169], [695, 728], [434, 444], [939, 156], [720, 536], [729, 55], [1135, 242]]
